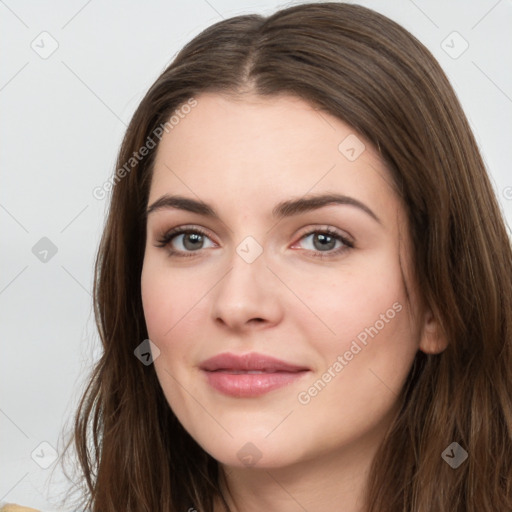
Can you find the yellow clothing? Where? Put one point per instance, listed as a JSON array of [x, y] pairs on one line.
[[10, 507]]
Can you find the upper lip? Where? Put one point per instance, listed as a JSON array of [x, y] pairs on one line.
[[247, 362]]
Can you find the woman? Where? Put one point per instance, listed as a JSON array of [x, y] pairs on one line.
[[304, 283]]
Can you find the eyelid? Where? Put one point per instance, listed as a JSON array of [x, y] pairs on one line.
[[166, 237], [326, 228], [306, 231]]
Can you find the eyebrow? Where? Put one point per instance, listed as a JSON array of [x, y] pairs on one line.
[[283, 209]]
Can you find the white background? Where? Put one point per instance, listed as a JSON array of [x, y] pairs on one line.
[[62, 120]]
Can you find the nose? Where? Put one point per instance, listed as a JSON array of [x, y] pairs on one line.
[[248, 296]]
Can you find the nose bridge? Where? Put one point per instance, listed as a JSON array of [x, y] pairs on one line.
[[250, 250], [248, 264], [247, 290]]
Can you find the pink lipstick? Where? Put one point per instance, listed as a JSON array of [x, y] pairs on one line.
[[249, 375]]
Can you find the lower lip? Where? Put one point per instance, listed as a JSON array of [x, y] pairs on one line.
[[245, 385]]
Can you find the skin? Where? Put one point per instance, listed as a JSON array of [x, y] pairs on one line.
[[243, 156]]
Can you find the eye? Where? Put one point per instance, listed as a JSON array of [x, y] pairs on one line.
[[183, 240], [323, 241]]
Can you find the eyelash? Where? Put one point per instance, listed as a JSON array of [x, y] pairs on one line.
[[166, 239]]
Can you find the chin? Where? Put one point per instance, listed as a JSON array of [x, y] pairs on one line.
[[254, 452]]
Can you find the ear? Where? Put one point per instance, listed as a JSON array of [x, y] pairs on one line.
[[432, 340]]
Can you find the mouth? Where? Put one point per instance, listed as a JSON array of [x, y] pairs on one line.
[[250, 375]]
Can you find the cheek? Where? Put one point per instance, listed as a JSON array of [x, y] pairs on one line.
[[170, 304], [362, 303], [365, 365], [363, 369], [156, 304], [368, 348], [167, 298]]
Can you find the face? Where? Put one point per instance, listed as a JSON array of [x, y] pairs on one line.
[[301, 304]]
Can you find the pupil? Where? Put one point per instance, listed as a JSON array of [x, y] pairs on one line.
[[325, 238], [196, 238]]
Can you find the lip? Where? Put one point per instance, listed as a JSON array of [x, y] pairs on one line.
[[249, 375]]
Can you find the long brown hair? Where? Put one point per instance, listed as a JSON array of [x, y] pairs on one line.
[[372, 74]]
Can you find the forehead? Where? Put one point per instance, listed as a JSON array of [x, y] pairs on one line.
[[253, 150]]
